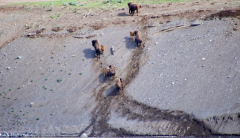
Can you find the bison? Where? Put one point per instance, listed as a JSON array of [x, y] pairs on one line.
[[103, 48], [119, 84], [99, 49], [138, 39], [109, 71], [133, 7], [132, 35]]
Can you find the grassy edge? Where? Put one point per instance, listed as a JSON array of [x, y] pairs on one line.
[[96, 4]]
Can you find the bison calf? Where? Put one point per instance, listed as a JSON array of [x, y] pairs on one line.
[[138, 39], [132, 35], [119, 84]]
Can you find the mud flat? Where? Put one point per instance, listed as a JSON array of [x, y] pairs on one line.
[[183, 81]]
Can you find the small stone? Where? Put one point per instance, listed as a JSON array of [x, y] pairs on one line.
[[172, 83], [123, 8], [148, 48], [102, 34], [235, 29], [19, 57], [156, 43], [84, 135], [8, 68], [203, 58]]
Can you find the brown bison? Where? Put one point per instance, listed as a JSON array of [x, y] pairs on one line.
[[138, 39], [109, 71], [133, 7], [103, 48], [119, 84], [99, 49], [132, 35]]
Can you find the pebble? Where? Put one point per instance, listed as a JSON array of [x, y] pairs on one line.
[[156, 43], [172, 83], [19, 57], [84, 135], [203, 58], [8, 68]]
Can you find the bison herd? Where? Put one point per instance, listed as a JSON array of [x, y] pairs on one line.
[[99, 49]]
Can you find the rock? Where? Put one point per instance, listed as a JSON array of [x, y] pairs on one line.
[[123, 8], [156, 43], [235, 29], [112, 50], [8, 68], [203, 58], [84, 135], [19, 57], [154, 16], [195, 24]]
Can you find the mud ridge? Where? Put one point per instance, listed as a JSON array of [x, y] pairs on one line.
[[225, 13]]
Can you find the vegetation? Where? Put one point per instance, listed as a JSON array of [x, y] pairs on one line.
[[93, 4], [59, 80], [45, 87]]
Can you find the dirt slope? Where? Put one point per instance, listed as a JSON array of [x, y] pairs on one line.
[[175, 84]]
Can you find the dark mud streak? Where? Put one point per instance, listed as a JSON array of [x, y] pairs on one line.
[[224, 13]]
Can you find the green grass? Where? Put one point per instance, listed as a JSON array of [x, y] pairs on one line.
[[94, 3]]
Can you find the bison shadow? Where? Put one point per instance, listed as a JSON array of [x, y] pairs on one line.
[[112, 91], [103, 79], [130, 44], [89, 53], [123, 14]]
